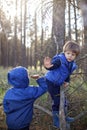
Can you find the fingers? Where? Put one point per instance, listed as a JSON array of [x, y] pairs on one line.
[[66, 84], [47, 59], [36, 76], [47, 62]]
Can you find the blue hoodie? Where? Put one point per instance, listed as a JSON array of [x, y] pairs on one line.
[[58, 75], [18, 100]]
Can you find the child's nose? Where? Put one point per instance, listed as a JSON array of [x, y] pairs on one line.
[[70, 55]]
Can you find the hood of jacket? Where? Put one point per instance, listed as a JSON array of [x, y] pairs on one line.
[[18, 77]]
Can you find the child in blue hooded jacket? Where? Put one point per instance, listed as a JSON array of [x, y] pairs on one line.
[[19, 99], [59, 70]]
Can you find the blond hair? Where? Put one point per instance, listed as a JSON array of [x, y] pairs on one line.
[[72, 46]]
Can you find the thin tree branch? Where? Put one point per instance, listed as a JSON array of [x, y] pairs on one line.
[[43, 109], [80, 115]]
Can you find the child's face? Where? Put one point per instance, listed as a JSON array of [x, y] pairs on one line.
[[70, 56]]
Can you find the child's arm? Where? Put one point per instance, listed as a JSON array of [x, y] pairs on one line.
[[40, 89], [52, 64], [66, 83], [67, 79]]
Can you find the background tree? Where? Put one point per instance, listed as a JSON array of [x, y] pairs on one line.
[[15, 36], [58, 23], [35, 50], [83, 6]]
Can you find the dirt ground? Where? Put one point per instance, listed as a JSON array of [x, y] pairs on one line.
[[41, 121]]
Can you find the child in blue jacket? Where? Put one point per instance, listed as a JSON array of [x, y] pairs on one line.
[[59, 70], [19, 99]]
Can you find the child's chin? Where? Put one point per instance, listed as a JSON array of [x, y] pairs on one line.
[[69, 60]]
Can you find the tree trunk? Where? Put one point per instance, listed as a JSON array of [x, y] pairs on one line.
[[24, 44], [42, 35], [15, 36], [59, 23], [83, 7], [35, 52]]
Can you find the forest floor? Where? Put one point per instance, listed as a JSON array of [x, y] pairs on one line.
[[41, 121]]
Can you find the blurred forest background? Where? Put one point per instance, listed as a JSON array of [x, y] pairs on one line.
[[33, 29]]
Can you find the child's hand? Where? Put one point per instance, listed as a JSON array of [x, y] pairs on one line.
[[66, 84], [47, 62], [36, 76]]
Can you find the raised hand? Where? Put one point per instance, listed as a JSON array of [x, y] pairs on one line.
[[47, 62]]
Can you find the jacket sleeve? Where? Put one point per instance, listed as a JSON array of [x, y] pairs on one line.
[[40, 89], [67, 79], [74, 67], [56, 63]]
